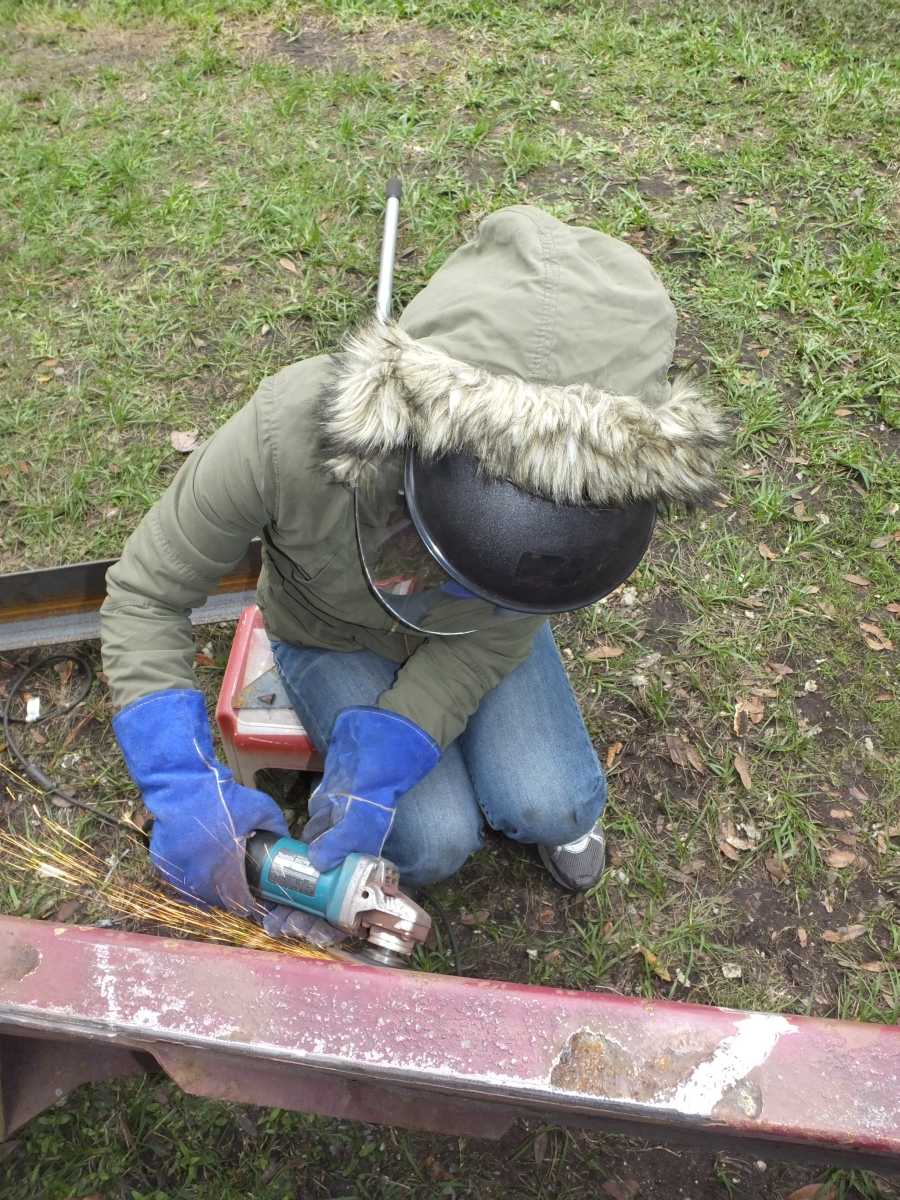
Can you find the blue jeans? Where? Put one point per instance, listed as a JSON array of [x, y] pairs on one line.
[[524, 763]]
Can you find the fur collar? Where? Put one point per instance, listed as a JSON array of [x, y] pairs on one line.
[[575, 444]]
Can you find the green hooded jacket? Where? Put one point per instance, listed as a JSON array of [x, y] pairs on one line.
[[532, 316]]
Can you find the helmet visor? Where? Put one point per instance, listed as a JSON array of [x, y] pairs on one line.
[[413, 587]]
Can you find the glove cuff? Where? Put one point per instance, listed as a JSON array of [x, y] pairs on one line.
[[396, 747], [164, 730]]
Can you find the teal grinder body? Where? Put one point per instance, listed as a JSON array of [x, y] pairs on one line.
[[362, 896], [278, 869]]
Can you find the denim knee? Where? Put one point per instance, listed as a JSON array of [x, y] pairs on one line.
[[426, 855], [548, 817]]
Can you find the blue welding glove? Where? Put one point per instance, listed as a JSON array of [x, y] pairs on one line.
[[374, 756], [203, 817]]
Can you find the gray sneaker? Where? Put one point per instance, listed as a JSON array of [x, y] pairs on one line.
[[579, 864]]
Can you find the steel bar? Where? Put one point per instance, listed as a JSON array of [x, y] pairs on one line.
[[388, 251], [61, 604], [453, 1055]]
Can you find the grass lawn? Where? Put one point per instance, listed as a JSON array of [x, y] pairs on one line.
[[190, 197]]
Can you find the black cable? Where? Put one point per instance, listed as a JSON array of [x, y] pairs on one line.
[[31, 769], [434, 903]]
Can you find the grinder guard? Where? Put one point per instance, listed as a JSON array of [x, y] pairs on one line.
[[362, 897]]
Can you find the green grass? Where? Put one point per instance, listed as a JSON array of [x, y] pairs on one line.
[[158, 159]]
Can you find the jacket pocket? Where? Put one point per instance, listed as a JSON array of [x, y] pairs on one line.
[[289, 569]]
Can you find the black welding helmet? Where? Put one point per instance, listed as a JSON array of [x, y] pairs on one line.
[[465, 550]]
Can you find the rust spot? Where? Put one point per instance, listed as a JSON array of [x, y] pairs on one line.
[[596, 1065], [17, 961], [741, 1101]]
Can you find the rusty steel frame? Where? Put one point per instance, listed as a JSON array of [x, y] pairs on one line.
[[61, 604], [458, 1056]]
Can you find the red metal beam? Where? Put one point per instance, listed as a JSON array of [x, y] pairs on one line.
[[436, 1052]]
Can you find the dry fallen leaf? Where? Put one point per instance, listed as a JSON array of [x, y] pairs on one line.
[[873, 967], [613, 752], [767, 552], [840, 858], [654, 964], [859, 580], [858, 794], [743, 769], [893, 607], [729, 836], [627, 1189], [750, 829], [67, 909], [287, 265], [184, 440], [728, 850], [603, 651], [800, 513], [780, 668], [802, 937], [848, 933], [739, 843], [878, 640], [476, 918], [777, 868], [683, 754], [546, 917], [840, 814], [814, 1191]]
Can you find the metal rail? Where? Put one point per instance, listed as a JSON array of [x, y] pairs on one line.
[[459, 1056], [61, 604]]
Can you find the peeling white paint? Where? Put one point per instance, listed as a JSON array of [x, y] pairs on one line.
[[106, 981], [735, 1057]]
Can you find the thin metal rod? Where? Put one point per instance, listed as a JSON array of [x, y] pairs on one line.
[[388, 251]]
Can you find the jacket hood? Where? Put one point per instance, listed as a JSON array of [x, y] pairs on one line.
[[542, 350]]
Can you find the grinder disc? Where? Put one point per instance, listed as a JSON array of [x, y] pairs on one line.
[[382, 957]]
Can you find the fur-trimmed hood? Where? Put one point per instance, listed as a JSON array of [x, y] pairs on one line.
[[542, 350]]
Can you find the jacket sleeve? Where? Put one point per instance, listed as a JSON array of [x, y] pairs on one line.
[[195, 533], [442, 683]]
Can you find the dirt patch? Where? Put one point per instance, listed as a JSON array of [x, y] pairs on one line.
[[665, 618], [38, 61], [319, 45]]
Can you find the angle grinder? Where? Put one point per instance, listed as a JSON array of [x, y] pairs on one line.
[[361, 897]]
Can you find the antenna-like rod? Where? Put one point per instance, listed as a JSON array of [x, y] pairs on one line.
[[388, 250]]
